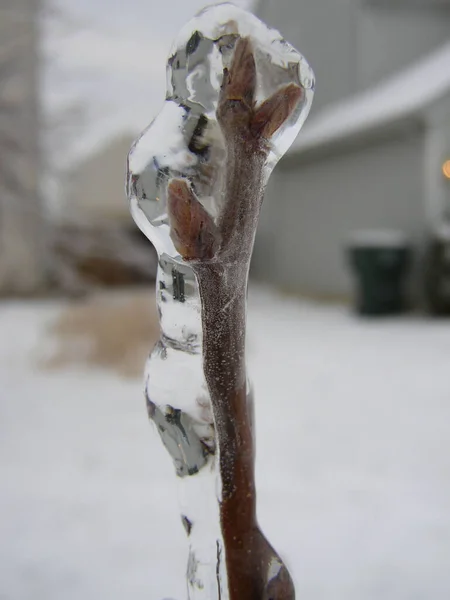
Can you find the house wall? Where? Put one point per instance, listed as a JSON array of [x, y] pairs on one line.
[[312, 207], [353, 44], [96, 188], [325, 33], [391, 37], [437, 152]]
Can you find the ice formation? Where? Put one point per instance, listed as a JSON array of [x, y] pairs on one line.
[[237, 95]]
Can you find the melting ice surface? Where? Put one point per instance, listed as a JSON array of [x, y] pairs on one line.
[[185, 140]]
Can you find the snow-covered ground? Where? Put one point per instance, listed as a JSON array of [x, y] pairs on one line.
[[353, 465]]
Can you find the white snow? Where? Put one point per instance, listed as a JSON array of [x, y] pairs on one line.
[[353, 462], [399, 96]]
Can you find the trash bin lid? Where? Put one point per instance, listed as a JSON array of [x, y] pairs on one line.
[[378, 238]]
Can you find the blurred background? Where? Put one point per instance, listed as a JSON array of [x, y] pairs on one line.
[[348, 340]]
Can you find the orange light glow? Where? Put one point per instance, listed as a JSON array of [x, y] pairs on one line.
[[446, 169]]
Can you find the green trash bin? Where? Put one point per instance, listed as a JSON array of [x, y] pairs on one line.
[[380, 262]]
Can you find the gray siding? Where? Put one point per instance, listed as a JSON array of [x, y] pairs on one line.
[[353, 44], [392, 38], [312, 207], [325, 33]]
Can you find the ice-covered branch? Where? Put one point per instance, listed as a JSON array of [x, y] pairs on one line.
[[237, 96]]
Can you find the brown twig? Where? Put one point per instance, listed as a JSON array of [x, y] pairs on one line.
[[220, 254]]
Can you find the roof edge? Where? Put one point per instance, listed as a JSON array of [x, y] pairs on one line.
[[406, 125]]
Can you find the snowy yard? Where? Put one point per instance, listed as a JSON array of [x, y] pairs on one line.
[[353, 468]]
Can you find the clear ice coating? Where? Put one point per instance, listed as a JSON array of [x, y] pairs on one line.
[[237, 95], [185, 139], [179, 404]]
